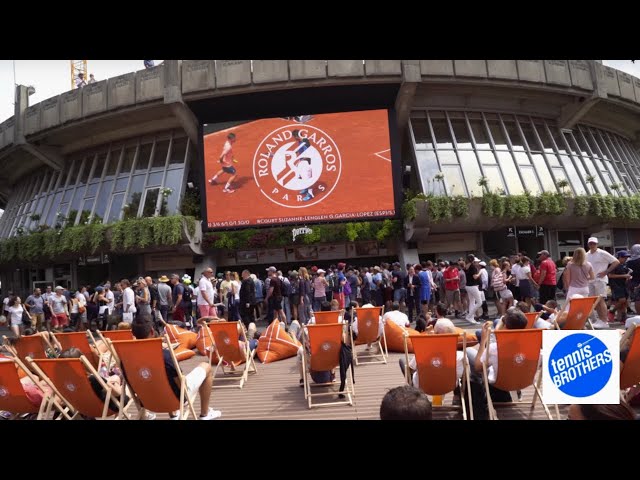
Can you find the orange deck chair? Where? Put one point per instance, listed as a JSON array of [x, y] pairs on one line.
[[108, 336], [436, 362], [142, 362], [224, 337], [33, 346], [531, 318], [325, 342], [80, 341], [518, 358], [325, 318], [68, 379], [12, 395], [630, 372], [579, 312], [368, 326]]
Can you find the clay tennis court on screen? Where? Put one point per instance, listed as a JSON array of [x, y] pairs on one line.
[[326, 167]]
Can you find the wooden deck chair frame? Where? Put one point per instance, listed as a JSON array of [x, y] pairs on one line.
[[72, 412], [108, 357], [349, 392], [247, 355], [587, 321], [464, 383], [182, 382], [630, 371], [384, 352], [531, 318], [47, 402], [537, 384]]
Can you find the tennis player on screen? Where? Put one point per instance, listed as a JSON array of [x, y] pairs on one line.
[[227, 161]]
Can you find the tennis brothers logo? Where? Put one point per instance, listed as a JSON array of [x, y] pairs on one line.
[[581, 367], [297, 166]]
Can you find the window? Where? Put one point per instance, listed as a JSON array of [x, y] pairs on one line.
[[55, 205], [447, 157], [86, 211], [441, 133], [160, 154], [471, 171], [142, 164], [480, 134], [114, 158], [135, 195], [421, 133], [127, 161], [103, 200], [497, 134], [574, 178], [514, 184], [178, 150], [427, 167], [522, 158], [154, 179], [173, 186], [529, 135], [150, 201], [121, 184], [116, 207], [99, 166], [513, 133], [492, 173], [463, 139], [486, 157], [453, 180], [91, 190]]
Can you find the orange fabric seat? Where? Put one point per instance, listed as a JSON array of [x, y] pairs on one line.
[[183, 353], [531, 318], [276, 344], [80, 341], [469, 336], [13, 397], [324, 318], [630, 372], [395, 337], [184, 337]]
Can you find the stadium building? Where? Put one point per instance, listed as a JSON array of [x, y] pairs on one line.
[[135, 146]]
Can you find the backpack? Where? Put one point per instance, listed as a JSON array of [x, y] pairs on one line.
[[331, 280], [286, 287], [346, 289], [186, 295]]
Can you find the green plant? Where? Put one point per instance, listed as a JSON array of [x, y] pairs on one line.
[[581, 206], [460, 206], [190, 205], [562, 184], [34, 217], [440, 208], [484, 183]]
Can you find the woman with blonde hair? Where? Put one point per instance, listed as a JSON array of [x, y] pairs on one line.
[[304, 308], [578, 274]]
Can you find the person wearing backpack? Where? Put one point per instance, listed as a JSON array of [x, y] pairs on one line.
[[332, 279], [286, 292]]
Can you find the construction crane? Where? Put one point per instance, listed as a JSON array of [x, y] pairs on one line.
[[77, 67]]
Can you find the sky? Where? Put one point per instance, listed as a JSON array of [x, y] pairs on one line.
[[53, 77]]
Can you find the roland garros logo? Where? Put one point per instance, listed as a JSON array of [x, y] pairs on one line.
[[297, 166]]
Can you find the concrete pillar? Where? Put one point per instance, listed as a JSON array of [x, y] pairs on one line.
[[173, 97], [407, 255], [410, 78], [22, 103], [200, 263]]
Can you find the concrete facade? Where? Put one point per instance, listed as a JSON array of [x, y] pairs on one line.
[[437, 67], [94, 98], [9, 131], [198, 75], [150, 84], [50, 116], [502, 69], [345, 68], [71, 105], [307, 69], [636, 88], [270, 71], [557, 72], [3, 142], [470, 68], [581, 74], [122, 91], [611, 81], [32, 119], [625, 83], [382, 67], [233, 73], [531, 71]]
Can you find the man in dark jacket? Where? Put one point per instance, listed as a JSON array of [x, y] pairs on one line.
[[247, 297]]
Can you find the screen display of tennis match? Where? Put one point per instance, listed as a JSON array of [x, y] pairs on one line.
[[308, 168]]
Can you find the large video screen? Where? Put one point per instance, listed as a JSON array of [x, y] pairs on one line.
[[308, 168]]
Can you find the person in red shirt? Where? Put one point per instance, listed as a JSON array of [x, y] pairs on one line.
[[547, 279], [452, 288]]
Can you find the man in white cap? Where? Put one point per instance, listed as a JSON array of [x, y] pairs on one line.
[[603, 263]]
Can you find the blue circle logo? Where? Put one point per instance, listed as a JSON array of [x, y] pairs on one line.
[[580, 365]]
